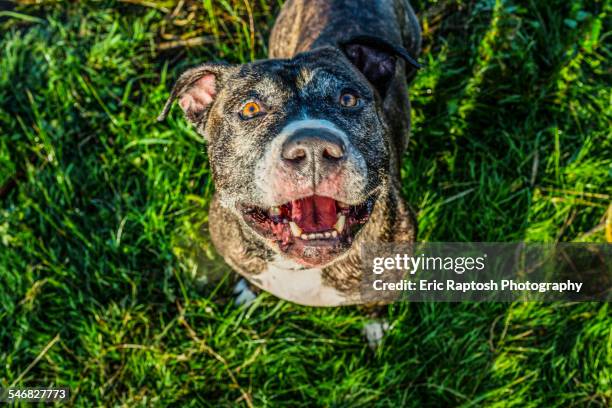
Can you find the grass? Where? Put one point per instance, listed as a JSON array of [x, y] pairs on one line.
[[103, 211]]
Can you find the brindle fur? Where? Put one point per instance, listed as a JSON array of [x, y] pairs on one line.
[[316, 28]]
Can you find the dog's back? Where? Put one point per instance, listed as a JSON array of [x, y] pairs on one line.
[[306, 24]]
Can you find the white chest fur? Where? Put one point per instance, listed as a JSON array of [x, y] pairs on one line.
[[290, 281]]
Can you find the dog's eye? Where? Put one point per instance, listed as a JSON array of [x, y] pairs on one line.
[[250, 110], [349, 100]]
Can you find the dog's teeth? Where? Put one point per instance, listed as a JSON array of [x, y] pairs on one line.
[[304, 237], [343, 205], [334, 234], [327, 235], [320, 236], [339, 226], [275, 211], [296, 231], [312, 236]]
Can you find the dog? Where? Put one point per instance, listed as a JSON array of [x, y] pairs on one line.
[[305, 147]]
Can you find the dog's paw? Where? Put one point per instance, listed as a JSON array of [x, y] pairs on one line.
[[374, 331], [243, 293]]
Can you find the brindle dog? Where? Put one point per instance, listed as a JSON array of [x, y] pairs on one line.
[[305, 147]]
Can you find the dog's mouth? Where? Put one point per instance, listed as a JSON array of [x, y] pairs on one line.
[[314, 229]]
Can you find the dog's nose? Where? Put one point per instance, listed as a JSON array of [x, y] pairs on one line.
[[310, 147]]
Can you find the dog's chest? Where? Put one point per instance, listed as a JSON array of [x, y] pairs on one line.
[[290, 281]]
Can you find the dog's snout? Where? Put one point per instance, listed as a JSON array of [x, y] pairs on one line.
[[314, 146], [311, 157]]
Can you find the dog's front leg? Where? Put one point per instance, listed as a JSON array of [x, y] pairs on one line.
[[244, 293]]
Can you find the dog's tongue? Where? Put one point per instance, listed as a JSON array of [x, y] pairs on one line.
[[314, 213]]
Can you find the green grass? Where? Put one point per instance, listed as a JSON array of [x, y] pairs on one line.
[[104, 211]]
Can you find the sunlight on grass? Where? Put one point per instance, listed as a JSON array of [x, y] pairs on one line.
[[109, 283]]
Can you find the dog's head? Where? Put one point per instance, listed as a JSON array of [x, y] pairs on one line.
[[299, 148]]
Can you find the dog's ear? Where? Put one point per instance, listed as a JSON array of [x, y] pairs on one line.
[[376, 59], [196, 90]]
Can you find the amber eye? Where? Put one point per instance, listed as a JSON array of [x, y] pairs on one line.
[[250, 110], [349, 100]]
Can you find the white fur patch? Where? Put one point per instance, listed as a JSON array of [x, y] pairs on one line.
[[309, 123], [290, 281]]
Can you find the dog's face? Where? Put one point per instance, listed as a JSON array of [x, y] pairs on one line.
[[299, 148]]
